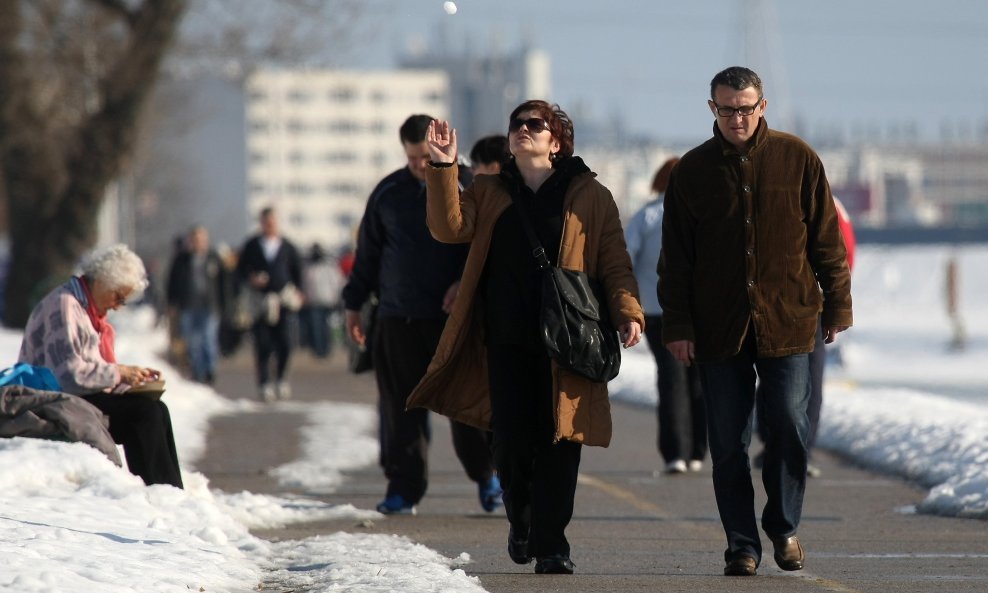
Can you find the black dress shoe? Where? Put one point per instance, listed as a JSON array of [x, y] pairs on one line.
[[556, 564], [518, 548], [788, 552], [742, 566]]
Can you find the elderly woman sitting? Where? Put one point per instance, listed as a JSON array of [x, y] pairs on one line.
[[68, 332]]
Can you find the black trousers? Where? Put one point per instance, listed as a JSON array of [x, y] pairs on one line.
[[273, 340], [681, 413], [403, 349], [538, 476], [144, 427]]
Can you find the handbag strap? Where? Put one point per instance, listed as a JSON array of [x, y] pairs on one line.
[[538, 252]]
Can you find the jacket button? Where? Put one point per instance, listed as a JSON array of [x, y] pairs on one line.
[[747, 220], [751, 283], [749, 251], [747, 188]]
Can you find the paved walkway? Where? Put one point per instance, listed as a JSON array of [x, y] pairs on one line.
[[634, 529]]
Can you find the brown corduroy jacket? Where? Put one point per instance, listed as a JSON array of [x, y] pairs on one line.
[[456, 383], [751, 242]]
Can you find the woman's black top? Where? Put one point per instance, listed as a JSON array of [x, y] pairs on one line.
[[511, 284]]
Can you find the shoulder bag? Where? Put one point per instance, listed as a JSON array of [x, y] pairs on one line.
[[576, 330]]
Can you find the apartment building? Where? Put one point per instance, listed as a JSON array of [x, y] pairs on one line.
[[318, 141]]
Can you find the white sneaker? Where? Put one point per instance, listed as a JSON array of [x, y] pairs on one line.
[[267, 393], [284, 390], [676, 466], [695, 465]]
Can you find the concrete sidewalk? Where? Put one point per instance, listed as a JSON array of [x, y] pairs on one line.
[[634, 529]]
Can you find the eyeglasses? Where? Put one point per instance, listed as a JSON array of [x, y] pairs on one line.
[[534, 124], [743, 111], [120, 298]]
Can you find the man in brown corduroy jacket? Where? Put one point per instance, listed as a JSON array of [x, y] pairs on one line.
[[752, 257]]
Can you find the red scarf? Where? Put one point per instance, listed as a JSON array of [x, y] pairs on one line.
[[100, 324]]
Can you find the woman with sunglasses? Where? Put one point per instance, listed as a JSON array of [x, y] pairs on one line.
[[68, 332], [491, 369]]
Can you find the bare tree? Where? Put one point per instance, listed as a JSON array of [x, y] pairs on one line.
[[75, 76]]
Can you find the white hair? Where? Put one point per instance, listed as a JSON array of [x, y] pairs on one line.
[[116, 267]]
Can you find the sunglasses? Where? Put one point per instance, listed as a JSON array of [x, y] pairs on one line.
[[534, 124]]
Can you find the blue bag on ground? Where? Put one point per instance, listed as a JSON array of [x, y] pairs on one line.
[[30, 376]]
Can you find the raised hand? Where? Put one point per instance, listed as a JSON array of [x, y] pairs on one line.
[[442, 141]]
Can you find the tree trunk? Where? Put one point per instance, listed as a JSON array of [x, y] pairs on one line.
[[55, 179]]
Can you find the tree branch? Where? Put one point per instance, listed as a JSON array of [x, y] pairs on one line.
[[118, 7]]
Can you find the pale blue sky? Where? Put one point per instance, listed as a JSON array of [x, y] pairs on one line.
[[865, 67]]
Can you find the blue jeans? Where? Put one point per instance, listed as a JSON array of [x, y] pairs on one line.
[[200, 330], [783, 396]]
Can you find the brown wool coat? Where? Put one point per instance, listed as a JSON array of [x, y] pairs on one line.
[[751, 243], [456, 384]]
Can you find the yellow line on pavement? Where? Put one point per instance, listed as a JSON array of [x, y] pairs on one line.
[[622, 494], [653, 509]]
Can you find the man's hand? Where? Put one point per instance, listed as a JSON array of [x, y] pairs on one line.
[[354, 328], [830, 333], [442, 141], [682, 350]]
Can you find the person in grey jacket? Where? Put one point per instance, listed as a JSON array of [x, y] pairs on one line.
[[682, 435]]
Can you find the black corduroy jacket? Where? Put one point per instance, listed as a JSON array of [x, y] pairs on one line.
[[751, 242]]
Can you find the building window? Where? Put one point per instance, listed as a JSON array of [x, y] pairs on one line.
[[299, 96], [342, 95], [340, 157], [343, 126]]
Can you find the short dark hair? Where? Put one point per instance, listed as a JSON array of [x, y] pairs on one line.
[[560, 125], [491, 149], [738, 78], [414, 128]]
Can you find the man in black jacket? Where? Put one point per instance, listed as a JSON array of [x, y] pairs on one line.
[[197, 290], [271, 267], [415, 278]]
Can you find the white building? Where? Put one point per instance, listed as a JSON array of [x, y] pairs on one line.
[[318, 141]]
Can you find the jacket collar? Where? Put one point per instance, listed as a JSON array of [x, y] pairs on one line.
[[565, 169], [761, 134]]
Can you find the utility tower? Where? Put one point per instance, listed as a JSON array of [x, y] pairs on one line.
[[762, 51]]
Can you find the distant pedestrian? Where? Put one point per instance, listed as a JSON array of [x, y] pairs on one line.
[[323, 286], [489, 155], [271, 269], [751, 255], [197, 286], [415, 278], [682, 422]]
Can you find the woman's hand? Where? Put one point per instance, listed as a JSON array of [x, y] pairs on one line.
[[135, 375], [631, 333], [442, 141]]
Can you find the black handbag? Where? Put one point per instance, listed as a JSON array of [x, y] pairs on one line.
[[576, 330], [360, 358]]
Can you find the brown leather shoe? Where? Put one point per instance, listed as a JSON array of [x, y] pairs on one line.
[[742, 566], [788, 552]]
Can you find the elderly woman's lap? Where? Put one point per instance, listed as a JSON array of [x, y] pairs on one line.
[[143, 426]]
